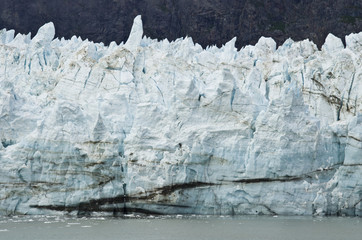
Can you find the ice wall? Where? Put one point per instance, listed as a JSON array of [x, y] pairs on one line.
[[168, 127]]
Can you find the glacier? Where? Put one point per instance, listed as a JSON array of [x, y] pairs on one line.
[[161, 127]]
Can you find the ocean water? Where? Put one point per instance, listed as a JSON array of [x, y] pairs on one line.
[[180, 228]]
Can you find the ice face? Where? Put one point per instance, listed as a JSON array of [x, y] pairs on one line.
[[169, 127]]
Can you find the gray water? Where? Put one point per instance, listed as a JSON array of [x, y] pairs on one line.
[[180, 228]]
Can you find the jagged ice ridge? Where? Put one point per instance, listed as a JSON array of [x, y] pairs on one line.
[[169, 127]]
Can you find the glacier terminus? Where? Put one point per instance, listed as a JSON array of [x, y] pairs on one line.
[[161, 127]]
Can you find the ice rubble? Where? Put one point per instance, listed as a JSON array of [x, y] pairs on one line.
[[170, 127]]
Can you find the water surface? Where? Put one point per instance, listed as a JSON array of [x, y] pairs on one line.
[[180, 228]]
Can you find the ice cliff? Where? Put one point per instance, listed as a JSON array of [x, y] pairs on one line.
[[169, 127]]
